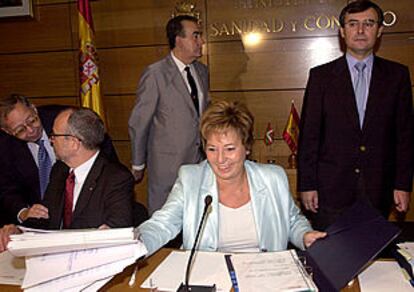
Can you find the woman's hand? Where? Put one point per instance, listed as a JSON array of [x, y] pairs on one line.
[[311, 236]]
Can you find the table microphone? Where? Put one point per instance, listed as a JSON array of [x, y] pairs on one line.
[[196, 288]]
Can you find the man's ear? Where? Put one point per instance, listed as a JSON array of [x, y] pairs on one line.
[[6, 130], [342, 32], [381, 28]]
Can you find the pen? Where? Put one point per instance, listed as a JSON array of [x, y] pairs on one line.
[[232, 272]]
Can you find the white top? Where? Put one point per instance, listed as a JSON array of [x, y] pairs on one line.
[[237, 229], [81, 172]]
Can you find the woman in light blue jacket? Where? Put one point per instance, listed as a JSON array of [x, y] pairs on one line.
[[252, 209]]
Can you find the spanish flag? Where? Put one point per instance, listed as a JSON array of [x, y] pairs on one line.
[[291, 131], [88, 61]]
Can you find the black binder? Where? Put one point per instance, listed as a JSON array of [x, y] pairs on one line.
[[358, 235]]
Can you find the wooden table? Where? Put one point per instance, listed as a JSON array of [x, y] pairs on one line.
[[145, 268]]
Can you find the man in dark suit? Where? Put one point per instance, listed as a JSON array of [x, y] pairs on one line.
[[356, 135], [23, 126], [86, 190], [171, 96]]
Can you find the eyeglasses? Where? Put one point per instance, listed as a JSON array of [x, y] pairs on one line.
[[54, 135], [366, 24], [31, 122]]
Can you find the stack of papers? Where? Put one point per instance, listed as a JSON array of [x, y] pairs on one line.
[[12, 269], [383, 276], [36, 242], [407, 250], [75, 260], [269, 271]]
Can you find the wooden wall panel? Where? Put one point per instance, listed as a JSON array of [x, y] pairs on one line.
[[274, 64], [37, 75], [121, 68], [284, 64], [123, 149], [399, 48], [50, 30], [118, 109], [74, 101], [46, 2], [125, 23], [266, 106], [292, 19]]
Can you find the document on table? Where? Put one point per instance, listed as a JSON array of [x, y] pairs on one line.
[[12, 269], [36, 243], [384, 276], [271, 271], [208, 268], [44, 268]]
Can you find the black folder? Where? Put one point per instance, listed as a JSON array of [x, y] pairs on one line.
[[358, 235]]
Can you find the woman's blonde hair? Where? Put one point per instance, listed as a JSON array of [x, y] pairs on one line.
[[222, 115]]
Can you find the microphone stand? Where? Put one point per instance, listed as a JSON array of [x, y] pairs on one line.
[[197, 288]]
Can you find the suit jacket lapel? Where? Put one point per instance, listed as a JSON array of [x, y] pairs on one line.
[[342, 81], [257, 190], [375, 91], [89, 185], [27, 166], [209, 187], [204, 86], [178, 82]]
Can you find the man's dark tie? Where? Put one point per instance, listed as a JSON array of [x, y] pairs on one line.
[[194, 91], [70, 186], [45, 166]]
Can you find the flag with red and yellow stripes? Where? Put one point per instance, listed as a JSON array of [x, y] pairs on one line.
[[291, 131], [90, 91]]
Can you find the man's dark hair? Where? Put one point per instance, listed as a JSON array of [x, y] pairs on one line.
[[174, 28], [360, 6], [87, 126], [8, 103]]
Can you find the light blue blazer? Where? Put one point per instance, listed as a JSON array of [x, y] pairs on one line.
[[278, 220]]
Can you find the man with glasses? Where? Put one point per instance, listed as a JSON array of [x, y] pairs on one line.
[[26, 155], [86, 189], [356, 134]]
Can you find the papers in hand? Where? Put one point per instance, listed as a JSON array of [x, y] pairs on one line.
[[37, 243], [90, 257], [270, 271]]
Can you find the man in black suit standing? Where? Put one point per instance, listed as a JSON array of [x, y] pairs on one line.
[[356, 135], [24, 126]]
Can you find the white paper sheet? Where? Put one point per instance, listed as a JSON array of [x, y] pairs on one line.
[[85, 277], [384, 276], [33, 243], [208, 268], [271, 271], [48, 267], [12, 269]]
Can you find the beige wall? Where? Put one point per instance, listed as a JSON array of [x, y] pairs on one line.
[[39, 56]]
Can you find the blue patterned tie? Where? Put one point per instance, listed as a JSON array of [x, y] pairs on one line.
[[44, 167], [361, 91]]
